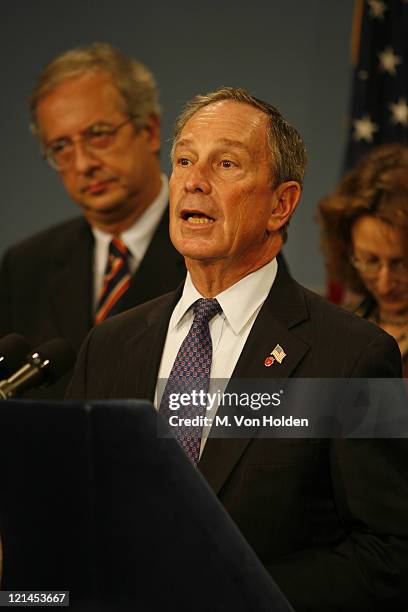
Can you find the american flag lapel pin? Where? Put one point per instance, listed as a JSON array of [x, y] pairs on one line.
[[278, 353]]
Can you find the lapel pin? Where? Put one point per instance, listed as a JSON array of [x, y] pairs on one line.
[[269, 361], [278, 353]]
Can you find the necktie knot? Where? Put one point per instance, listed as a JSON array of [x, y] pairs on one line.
[[205, 310]]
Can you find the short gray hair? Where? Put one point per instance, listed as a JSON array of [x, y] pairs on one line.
[[287, 148], [133, 80]]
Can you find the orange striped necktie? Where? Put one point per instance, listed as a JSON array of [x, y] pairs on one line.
[[116, 280]]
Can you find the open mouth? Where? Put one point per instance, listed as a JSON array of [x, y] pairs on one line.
[[192, 216]]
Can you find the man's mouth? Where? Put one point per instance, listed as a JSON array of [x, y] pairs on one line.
[[97, 186], [196, 217]]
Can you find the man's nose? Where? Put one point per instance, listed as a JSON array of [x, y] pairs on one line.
[[197, 179], [84, 161]]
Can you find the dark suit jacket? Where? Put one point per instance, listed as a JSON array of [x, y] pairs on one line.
[[46, 284], [328, 518]]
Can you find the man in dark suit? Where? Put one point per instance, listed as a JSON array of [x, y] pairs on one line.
[[327, 517], [96, 114]]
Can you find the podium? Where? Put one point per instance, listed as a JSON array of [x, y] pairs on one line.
[[94, 502]]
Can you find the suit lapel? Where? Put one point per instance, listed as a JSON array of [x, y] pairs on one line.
[[283, 309], [145, 348], [71, 286]]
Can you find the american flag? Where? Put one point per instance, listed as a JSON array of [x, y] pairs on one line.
[[379, 105], [278, 353]]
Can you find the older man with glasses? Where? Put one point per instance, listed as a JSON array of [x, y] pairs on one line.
[[96, 115]]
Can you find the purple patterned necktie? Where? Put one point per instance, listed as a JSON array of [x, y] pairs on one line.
[[191, 372]]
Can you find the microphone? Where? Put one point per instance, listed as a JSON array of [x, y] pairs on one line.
[[44, 366], [13, 351]]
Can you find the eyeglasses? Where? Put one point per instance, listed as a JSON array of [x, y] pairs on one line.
[[97, 140], [371, 266]]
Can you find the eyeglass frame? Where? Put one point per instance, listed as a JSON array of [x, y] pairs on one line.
[[361, 266], [48, 155]]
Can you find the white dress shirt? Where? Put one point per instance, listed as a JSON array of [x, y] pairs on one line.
[[229, 329], [137, 238]]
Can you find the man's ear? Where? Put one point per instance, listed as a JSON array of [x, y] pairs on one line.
[[285, 199], [152, 128]]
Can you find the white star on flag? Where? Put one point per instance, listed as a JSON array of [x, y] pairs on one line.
[[377, 8], [389, 61], [399, 111], [364, 129]]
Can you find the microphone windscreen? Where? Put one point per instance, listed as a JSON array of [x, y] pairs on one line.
[[60, 357], [13, 351]]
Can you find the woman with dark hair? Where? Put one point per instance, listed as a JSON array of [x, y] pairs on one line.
[[365, 238]]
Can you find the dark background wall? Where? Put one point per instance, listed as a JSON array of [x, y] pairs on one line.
[[291, 53]]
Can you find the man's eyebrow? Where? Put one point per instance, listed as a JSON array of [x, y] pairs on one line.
[[186, 142], [182, 142], [229, 142]]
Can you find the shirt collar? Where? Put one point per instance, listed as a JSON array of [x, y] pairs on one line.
[[239, 302]]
